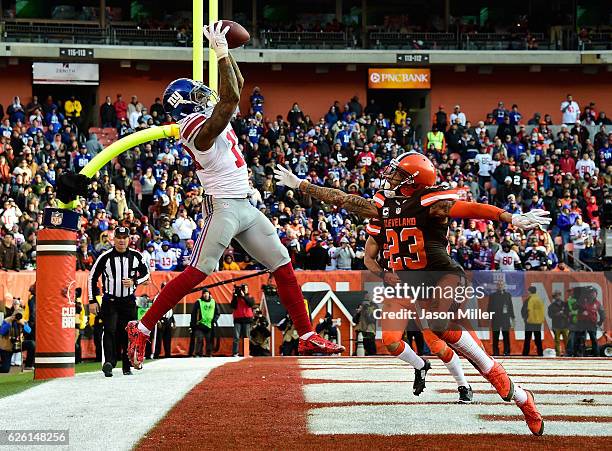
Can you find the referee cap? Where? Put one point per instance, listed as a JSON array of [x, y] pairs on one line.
[[122, 232]]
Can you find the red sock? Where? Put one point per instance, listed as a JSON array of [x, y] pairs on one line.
[[171, 294], [291, 297]]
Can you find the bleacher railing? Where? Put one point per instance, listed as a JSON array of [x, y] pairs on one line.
[[39, 30], [303, 39]]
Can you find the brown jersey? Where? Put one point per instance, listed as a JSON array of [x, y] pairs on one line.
[[408, 237]]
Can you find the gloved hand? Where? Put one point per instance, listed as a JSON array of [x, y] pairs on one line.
[[217, 39], [532, 219], [70, 186], [285, 177]]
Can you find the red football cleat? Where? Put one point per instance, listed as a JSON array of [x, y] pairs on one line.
[[532, 416], [499, 379], [137, 343], [315, 344]]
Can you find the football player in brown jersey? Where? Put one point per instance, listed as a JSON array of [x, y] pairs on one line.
[[422, 245]]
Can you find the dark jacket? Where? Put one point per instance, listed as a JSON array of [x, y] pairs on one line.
[[9, 258], [500, 304], [558, 312]]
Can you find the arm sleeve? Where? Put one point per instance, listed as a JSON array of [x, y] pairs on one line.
[[190, 127], [473, 210], [94, 275], [143, 270]]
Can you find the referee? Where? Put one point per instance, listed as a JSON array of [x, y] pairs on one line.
[[122, 270]]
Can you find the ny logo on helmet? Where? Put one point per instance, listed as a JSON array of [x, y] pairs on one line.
[[175, 99]]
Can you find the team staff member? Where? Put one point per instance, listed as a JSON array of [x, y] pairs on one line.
[[122, 270]]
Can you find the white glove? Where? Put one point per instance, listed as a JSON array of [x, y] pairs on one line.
[[216, 37], [285, 177], [531, 220]]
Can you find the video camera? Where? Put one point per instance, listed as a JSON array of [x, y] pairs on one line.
[[239, 290]]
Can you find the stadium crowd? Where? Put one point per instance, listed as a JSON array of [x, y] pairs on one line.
[[518, 164]]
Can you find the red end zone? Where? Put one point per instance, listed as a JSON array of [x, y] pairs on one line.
[[259, 404]]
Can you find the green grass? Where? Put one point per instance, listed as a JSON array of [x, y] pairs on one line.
[[11, 384]]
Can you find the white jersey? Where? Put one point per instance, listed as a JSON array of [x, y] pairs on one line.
[[506, 260], [221, 169], [165, 261]]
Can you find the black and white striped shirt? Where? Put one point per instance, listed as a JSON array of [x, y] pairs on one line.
[[114, 267]]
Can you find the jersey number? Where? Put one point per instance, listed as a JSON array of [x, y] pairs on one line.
[[231, 137], [416, 246]]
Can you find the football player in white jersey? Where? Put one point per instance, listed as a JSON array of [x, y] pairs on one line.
[[206, 134]]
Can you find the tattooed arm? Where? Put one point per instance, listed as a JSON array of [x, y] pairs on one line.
[[445, 209], [239, 77], [352, 203], [223, 111]]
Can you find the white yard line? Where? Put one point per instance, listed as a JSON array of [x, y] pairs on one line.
[[107, 413], [388, 383]]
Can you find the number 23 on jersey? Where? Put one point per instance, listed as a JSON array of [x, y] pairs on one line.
[[409, 238]]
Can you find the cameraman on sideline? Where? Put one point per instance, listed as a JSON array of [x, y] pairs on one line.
[[12, 340], [242, 304]]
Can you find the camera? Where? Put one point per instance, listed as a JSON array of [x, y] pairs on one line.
[[238, 290], [18, 316]]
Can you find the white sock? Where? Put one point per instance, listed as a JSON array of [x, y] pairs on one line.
[[307, 335], [409, 356], [469, 348], [455, 368], [143, 329], [520, 395]]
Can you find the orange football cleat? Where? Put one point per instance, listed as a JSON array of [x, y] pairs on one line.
[[532, 416], [499, 379]]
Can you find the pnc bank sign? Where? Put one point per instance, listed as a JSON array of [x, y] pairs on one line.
[[404, 78]]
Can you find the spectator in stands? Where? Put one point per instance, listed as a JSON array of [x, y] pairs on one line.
[[257, 101], [121, 108], [108, 113], [16, 112], [229, 264], [499, 113], [570, 111], [9, 254], [458, 116], [157, 108], [73, 108], [533, 315]]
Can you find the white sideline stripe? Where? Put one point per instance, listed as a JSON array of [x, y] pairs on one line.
[[56, 247], [468, 369], [54, 359], [119, 410]]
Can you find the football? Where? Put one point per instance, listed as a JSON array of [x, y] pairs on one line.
[[237, 34]]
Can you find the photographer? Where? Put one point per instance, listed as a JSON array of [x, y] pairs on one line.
[[12, 340], [260, 335], [591, 314], [366, 324], [203, 318], [290, 336], [532, 312], [327, 329], [242, 304]]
